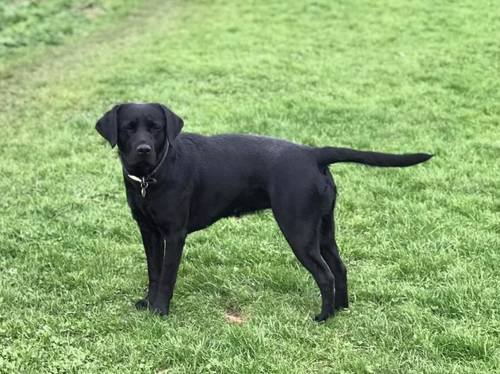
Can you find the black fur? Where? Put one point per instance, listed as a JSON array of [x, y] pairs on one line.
[[205, 178]]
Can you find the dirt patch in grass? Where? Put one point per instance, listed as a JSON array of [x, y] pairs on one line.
[[235, 316]]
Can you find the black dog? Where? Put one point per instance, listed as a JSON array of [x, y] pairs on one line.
[[179, 183]]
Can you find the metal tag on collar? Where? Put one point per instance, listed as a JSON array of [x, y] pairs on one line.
[[142, 181], [144, 185]]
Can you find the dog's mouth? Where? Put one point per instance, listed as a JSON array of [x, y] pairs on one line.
[[141, 165]]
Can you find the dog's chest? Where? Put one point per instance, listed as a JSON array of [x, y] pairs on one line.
[[152, 211]]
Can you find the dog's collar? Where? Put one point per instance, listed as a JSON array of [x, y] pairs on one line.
[[145, 181]]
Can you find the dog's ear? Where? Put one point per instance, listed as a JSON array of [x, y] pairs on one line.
[[107, 126], [174, 123]]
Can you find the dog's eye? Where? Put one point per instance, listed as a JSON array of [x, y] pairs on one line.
[[129, 126], [157, 126]]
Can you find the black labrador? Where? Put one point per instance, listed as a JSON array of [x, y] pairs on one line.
[[180, 183]]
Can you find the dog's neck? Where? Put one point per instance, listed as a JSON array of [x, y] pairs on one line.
[[145, 177]]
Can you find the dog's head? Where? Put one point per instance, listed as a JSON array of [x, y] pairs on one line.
[[141, 132]]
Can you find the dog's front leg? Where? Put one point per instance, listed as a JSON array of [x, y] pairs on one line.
[[154, 248], [173, 253]]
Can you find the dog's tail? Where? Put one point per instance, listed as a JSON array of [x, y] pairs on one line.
[[332, 155]]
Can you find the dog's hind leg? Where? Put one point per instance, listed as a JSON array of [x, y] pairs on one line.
[[330, 252], [301, 227]]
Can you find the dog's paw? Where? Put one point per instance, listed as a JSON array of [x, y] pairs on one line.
[[341, 300], [341, 304], [323, 316], [159, 310], [142, 304]]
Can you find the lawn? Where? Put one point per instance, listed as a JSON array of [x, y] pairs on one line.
[[422, 244]]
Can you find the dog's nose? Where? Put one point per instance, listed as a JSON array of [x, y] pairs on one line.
[[143, 149]]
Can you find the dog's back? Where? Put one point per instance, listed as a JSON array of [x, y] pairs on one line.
[[232, 173]]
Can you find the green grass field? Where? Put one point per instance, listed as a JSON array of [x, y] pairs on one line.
[[422, 244]]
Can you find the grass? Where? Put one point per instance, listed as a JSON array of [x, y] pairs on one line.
[[422, 244], [29, 24]]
